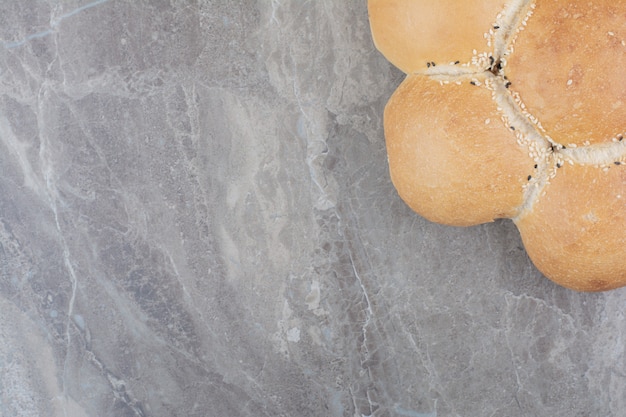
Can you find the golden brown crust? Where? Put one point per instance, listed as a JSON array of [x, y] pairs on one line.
[[451, 158], [576, 233], [412, 33], [568, 66]]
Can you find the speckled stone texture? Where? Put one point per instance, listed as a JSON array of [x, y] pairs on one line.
[[196, 219]]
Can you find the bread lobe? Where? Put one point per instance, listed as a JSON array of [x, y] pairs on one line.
[[568, 67], [415, 33], [575, 234], [444, 171]]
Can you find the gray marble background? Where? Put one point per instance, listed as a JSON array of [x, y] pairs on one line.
[[196, 219]]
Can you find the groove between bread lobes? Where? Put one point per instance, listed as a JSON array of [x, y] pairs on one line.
[[484, 128]]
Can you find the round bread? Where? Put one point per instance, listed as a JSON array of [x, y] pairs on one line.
[[516, 111]]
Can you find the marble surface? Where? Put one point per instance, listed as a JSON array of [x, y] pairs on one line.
[[196, 219]]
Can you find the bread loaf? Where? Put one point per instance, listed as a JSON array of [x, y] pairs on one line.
[[514, 110]]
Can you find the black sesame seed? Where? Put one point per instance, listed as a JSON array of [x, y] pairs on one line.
[[512, 127], [496, 27], [558, 165], [508, 84], [529, 177], [456, 62], [433, 64], [535, 166], [620, 137], [428, 64], [495, 66], [473, 82], [617, 163]]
